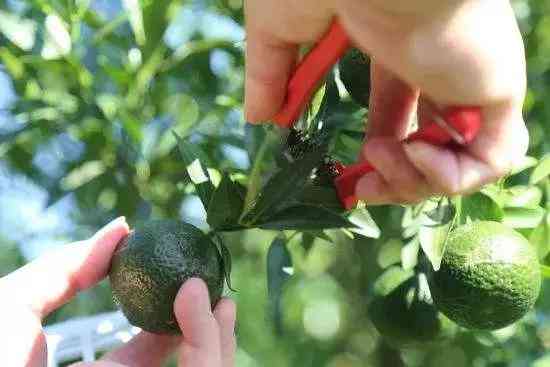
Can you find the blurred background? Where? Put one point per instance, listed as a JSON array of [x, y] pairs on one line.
[[90, 91]]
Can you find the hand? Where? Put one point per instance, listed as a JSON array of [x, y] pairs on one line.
[[32, 292], [424, 53]]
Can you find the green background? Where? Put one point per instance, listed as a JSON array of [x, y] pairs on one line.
[[89, 94]]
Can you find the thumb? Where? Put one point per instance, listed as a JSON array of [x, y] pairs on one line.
[[201, 335]]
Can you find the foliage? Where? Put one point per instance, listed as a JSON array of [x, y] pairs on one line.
[[103, 86]]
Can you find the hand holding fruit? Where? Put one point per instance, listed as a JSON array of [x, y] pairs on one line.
[[32, 292], [426, 55]]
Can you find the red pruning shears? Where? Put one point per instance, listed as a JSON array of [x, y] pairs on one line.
[[456, 125]]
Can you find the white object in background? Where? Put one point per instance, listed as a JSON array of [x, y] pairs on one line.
[[82, 338]]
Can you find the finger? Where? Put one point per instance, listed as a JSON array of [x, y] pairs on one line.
[[269, 63], [98, 364], [144, 350], [201, 335], [502, 141], [391, 162], [392, 104], [274, 31], [225, 313], [374, 190], [48, 282]]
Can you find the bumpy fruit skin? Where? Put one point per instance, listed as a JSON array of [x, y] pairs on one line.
[[151, 264], [355, 74], [489, 276], [403, 312]]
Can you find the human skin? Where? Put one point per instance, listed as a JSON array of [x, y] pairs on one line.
[[426, 55], [32, 292]]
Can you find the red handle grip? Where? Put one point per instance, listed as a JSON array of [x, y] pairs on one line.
[[464, 120], [311, 69]]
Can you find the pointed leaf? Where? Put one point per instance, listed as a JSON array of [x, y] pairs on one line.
[[279, 262], [196, 172], [321, 196], [135, 17], [433, 241], [540, 237], [304, 217], [523, 217], [226, 205], [522, 196], [307, 241], [227, 264], [364, 224], [526, 163], [282, 187], [480, 207], [409, 254], [541, 171], [442, 214]]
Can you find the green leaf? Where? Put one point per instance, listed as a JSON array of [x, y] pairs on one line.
[[389, 253], [540, 237], [321, 196], [133, 8], [480, 207], [526, 163], [196, 173], [523, 217], [225, 206], [433, 241], [409, 254], [545, 271], [304, 217], [21, 32], [284, 186], [442, 214], [307, 241], [279, 269], [541, 171], [363, 222], [522, 196]]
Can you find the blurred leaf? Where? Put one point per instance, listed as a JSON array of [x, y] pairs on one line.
[[545, 271], [409, 254], [21, 32], [13, 64], [364, 224], [307, 241], [279, 269], [433, 240], [282, 187], [226, 205], [389, 253], [304, 217], [523, 217], [196, 173], [526, 163], [57, 40], [522, 196], [442, 214], [133, 8], [540, 237], [479, 206], [541, 171]]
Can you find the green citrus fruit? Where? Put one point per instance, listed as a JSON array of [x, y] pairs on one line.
[[403, 312], [150, 265], [355, 74], [489, 276]]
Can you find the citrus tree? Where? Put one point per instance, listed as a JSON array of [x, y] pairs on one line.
[[134, 108]]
